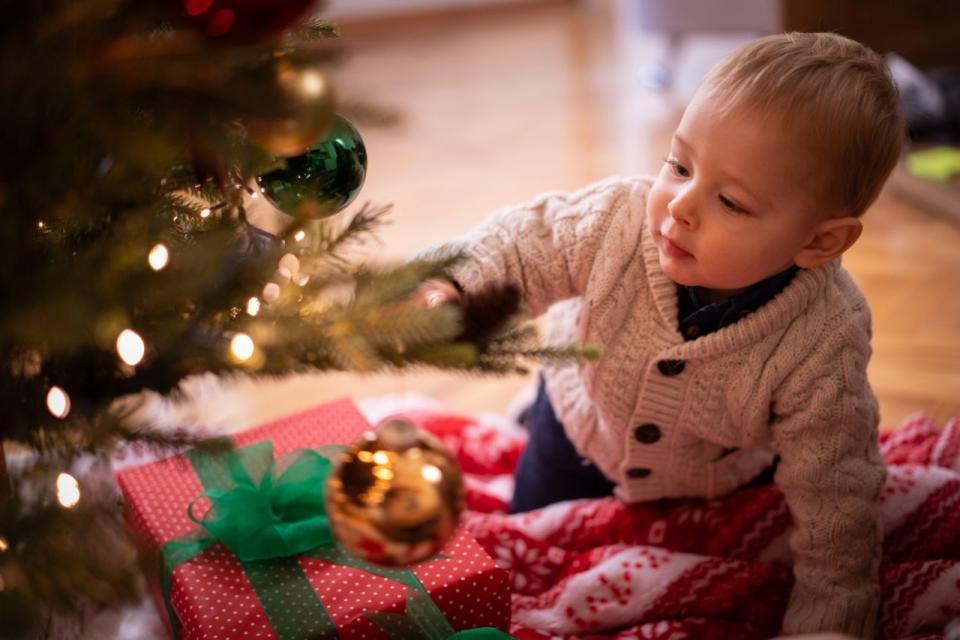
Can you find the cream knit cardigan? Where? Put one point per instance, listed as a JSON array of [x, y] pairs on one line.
[[788, 379]]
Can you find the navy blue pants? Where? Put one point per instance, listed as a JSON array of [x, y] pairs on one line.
[[550, 469]]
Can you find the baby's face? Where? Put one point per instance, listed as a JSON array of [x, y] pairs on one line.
[[733, 203]]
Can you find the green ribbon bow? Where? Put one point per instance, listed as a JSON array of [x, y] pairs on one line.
[[284, 515], [267, 513]]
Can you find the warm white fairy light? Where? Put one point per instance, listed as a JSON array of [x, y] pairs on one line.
[[253, 306], [159, 257], [130, 347], [431, 473], [288, 266], [271, 291], [68, 490], [312, 83], [302, 279], [4, 545], [300, 235], [41, 225], [58, 402], [242, 346], [205, 213]]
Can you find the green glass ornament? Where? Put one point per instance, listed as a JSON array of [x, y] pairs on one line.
[[328, 176]]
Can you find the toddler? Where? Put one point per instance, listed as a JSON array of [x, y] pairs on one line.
[[735, 345]]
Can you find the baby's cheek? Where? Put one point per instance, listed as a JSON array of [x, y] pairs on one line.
[[656, 202]]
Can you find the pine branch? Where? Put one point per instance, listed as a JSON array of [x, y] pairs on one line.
[[316, 29]]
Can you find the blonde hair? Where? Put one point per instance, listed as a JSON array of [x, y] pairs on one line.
[[834, 90]]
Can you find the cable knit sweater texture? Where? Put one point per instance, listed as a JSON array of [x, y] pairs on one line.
[[788, 379]]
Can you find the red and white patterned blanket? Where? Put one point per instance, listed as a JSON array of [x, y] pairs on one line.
[[701, 568]]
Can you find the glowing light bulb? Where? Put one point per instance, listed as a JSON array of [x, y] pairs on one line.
[[58, 402], [159, 257], [271, 292], [300, 235], [130, 347], [383, 473], [253, 306], [242, 346], [68, 490], [431, 473], [4, 545], [312, 83], [381, 457], [205, 213]]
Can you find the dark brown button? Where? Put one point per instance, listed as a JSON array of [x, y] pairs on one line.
[[638, 472], [692, 331], [671, 367], [647, 433]]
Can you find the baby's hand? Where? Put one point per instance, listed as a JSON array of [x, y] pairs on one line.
[[435, 292]]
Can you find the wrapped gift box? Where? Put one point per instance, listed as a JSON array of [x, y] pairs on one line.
[[323, 593]]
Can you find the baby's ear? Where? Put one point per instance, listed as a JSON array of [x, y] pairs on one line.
[[830, 239]]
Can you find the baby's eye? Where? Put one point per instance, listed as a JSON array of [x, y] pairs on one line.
[[731, 205], [678, 169]]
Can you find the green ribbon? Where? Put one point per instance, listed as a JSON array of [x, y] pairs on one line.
[[267, 513], [284, 515]]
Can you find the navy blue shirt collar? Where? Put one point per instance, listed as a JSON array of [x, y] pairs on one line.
[[697, 317]]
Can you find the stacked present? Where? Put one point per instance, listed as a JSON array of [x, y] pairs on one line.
[[226, 575]]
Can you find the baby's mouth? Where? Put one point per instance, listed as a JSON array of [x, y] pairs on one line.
[[674, 250]]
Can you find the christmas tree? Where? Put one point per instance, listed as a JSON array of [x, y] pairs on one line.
[[137, 134]]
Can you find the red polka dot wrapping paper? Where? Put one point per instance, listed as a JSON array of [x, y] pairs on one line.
[[212, 595]]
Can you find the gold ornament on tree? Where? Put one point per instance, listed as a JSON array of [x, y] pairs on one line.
[[308, 105], [396, 496]]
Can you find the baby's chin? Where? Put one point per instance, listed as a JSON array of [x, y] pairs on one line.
[[679, 274], [684, 277]]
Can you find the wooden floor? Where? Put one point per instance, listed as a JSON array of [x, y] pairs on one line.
[[498, 105]]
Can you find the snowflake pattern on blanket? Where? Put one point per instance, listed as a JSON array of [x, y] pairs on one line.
[[701, 569]]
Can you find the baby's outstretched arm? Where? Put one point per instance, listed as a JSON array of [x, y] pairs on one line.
[[546, 248]]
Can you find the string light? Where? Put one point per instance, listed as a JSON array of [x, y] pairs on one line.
[[300, 235], [431, 473], [159, 257], [58, 402], [288, 266], [68, 490], [242, 346], [271, 292], [312, 83], [383, 473], [253, 306], [205, 213], [4, 545], [130, 347], [41, 225]]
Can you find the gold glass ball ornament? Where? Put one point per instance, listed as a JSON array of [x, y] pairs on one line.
[[306, 108], [396, 496]]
